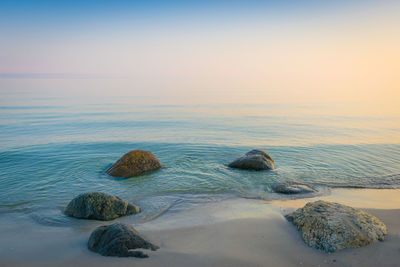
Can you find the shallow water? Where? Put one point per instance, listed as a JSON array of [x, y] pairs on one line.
[[52, 149]]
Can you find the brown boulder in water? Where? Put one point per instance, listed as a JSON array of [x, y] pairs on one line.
[[256, 159], [134, 163]]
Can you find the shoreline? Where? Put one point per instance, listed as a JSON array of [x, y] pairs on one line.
[[364, 198], [233, 232]]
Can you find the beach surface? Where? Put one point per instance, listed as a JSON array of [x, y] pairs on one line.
[[234, 232]]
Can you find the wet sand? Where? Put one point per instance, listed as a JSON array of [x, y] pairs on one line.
[[236, 233]]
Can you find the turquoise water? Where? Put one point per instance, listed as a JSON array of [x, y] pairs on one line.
[[52, 149]]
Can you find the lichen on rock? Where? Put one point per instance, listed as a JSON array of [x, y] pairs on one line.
[[332, 226]]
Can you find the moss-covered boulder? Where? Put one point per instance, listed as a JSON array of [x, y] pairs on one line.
[[134, 163], [118, 240], [331, 226], [99, 206], [256, 159]]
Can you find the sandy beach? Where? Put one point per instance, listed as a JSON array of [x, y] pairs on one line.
[[235, 232]]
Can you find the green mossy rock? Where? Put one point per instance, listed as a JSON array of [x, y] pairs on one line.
[[99, 206]]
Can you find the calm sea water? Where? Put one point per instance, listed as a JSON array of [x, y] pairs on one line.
[[52, 149]]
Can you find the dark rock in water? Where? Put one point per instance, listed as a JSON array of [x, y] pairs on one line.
[[133, 163], [99, 206], [331, 226], [118, 240], [292, 188], [256, 159]]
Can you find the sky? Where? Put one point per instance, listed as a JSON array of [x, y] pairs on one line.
[[204, 51]]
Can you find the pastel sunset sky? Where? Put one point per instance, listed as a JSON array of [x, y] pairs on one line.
[[204, 51]]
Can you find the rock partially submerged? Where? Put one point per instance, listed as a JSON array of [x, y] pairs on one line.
[[118, 240], [331, 226], [99, 206], [256, 159], [134, 163], [292, 188]]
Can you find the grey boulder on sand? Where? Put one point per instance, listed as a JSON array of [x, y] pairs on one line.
[[292, 188], [133, 163], [256, 159], [331, 226], [99, 206], [118, 240]]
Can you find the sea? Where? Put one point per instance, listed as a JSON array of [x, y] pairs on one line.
[[55, 148]]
